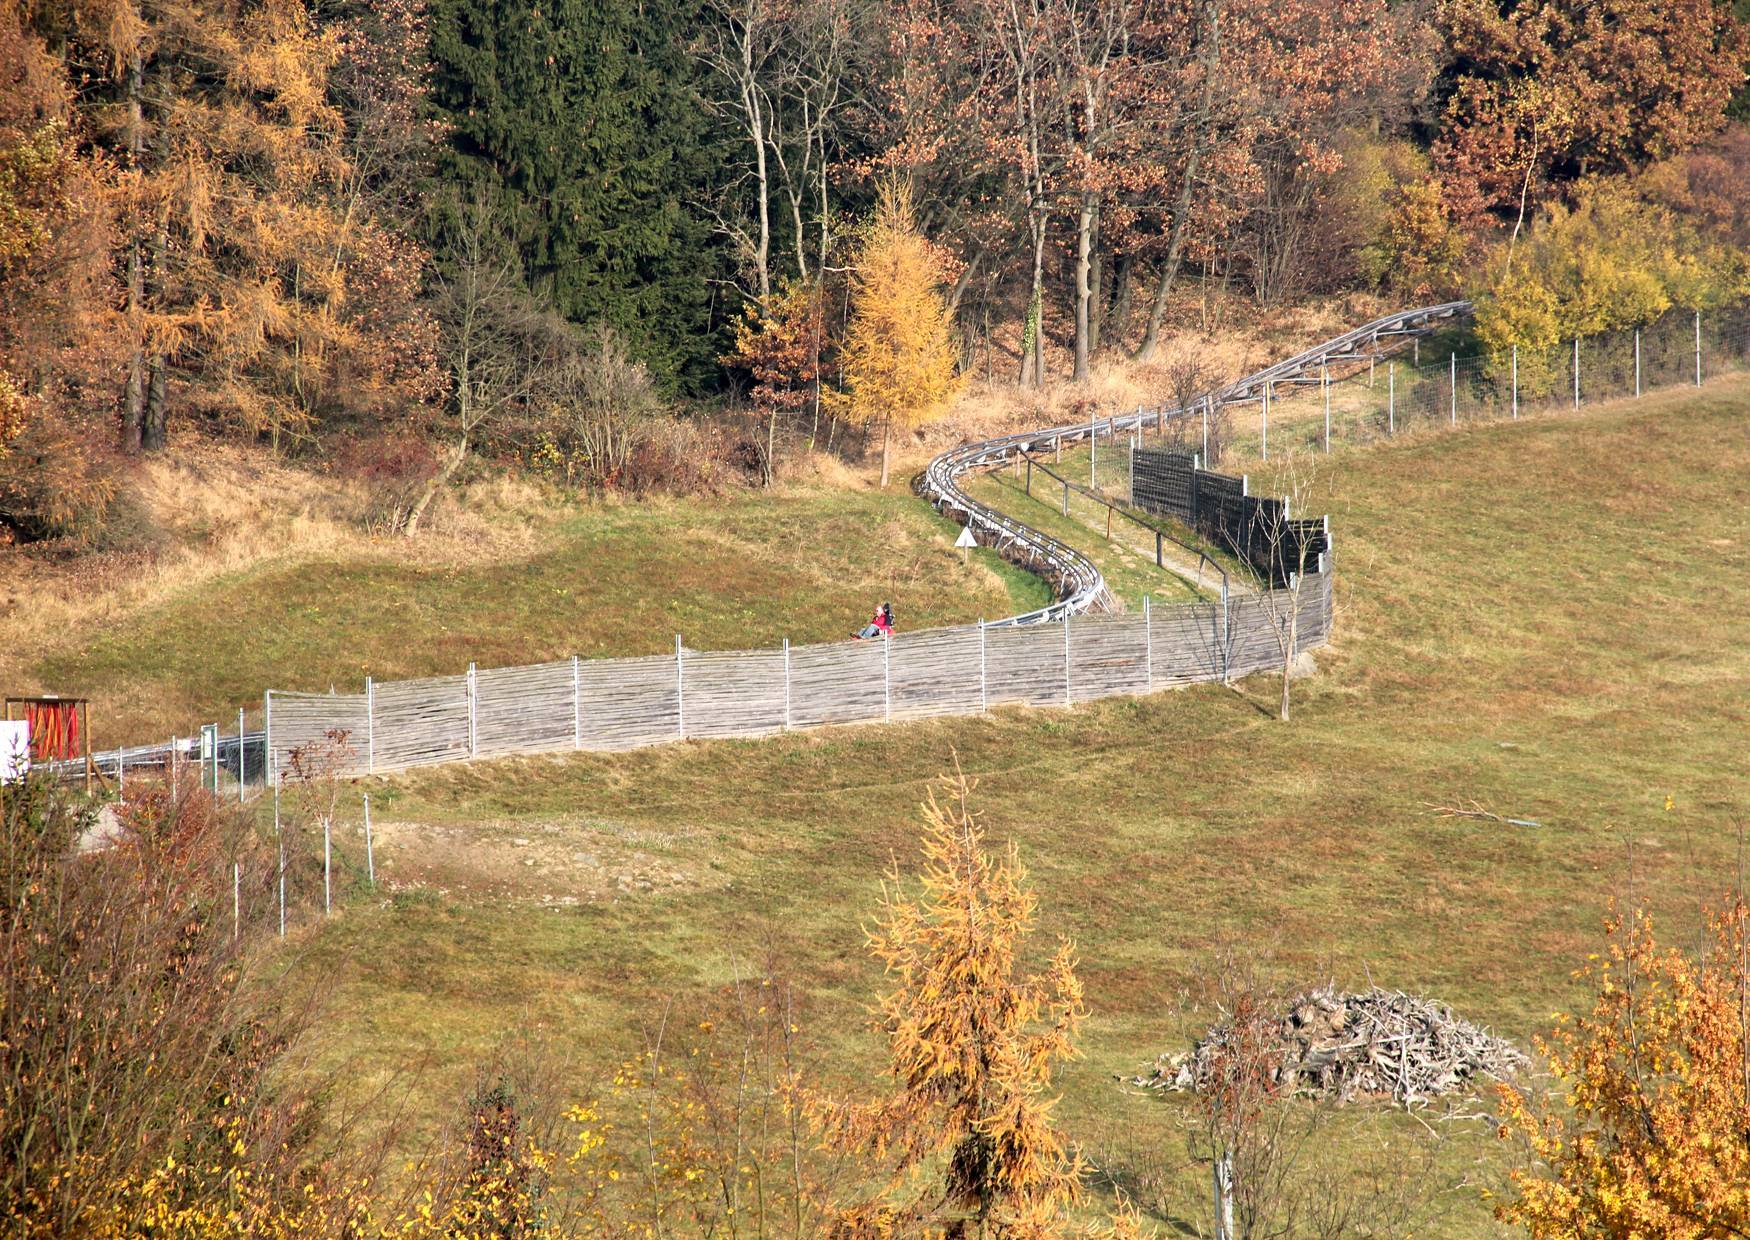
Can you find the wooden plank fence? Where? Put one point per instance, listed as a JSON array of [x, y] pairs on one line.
[[618, 704]]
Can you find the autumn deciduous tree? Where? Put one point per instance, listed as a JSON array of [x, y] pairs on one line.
[[1558, 89], [779, 343], [898, 352], [1657, 1077], [971, 1044]]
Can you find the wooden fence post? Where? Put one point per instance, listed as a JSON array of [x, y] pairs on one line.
[[576, 705], [786, 684], [370, 726], [680, 689]]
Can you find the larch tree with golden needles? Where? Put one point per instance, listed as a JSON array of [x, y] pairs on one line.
[[1657, 1079], [898, 354], [972, 1041]]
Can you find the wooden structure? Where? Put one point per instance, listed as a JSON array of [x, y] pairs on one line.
[[60, 729]]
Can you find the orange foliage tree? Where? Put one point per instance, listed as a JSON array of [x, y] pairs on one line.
[[899, 358], [779, 343], [971, 1044], [1657, 1078]]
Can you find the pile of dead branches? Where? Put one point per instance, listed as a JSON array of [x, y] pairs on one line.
[[1331, 1044]]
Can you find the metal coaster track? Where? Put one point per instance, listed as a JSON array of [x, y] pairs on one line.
[[1079, 584]]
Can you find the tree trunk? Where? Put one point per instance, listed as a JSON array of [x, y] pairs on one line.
[[772, 442], [417, 512], [1211, 54], [156, 431], [1033, 346], [134, 397], [1118, 322], [886, 430], [1084, 262], [1293, 637], [1096, 292], [965, 280]]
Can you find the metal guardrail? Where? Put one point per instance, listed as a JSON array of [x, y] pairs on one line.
[[1080, 585]]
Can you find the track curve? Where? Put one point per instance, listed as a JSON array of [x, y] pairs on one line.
[[1077, 580]]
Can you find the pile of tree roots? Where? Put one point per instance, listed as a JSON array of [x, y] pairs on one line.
[[1346, 1047]]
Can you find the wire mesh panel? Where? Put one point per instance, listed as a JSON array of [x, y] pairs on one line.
[[734, 692], [625, 703], [311, 721], [937, 672], [1185, 643], [1025, 663], [523, 709], [418, 722], [1108, 656], [838, 682]]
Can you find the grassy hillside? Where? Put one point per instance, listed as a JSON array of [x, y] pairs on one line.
[[1543, 617], [748, 570]]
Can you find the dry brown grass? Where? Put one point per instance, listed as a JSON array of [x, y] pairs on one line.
[[207, 511]]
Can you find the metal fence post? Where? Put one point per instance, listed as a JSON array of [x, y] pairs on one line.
[[236, 900], [983, 675], [1132, 481], [1391, 398], [1148, 647], [1452, 382], [280, 839], [1637, 363], [1576, 372], [1207, 402], [370, 851], [1066, 497], [472, 746], [576, 704], [1325, 383], [240, 766], [1066, 700], [680, 689], [1264, 423], [370, 725], [268, 774], [1515, 381], [786, 684], [1226, 633], [1698, 348], [327, 865], [173, 768], [887, 677], [1093, 451]]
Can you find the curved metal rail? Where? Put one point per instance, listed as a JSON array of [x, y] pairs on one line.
[[1079, 584]]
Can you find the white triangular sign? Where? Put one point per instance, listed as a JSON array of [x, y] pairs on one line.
[[966, 539]]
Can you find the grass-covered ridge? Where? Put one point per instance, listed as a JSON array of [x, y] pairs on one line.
[[1545, 617]]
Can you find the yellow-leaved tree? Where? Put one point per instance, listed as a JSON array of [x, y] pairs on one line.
[[898, 352], [967, 1130], [1658, 1089]]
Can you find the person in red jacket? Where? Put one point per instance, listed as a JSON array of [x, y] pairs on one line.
[[880, 624]]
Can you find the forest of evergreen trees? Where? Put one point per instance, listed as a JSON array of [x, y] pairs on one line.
[[316, 222]]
